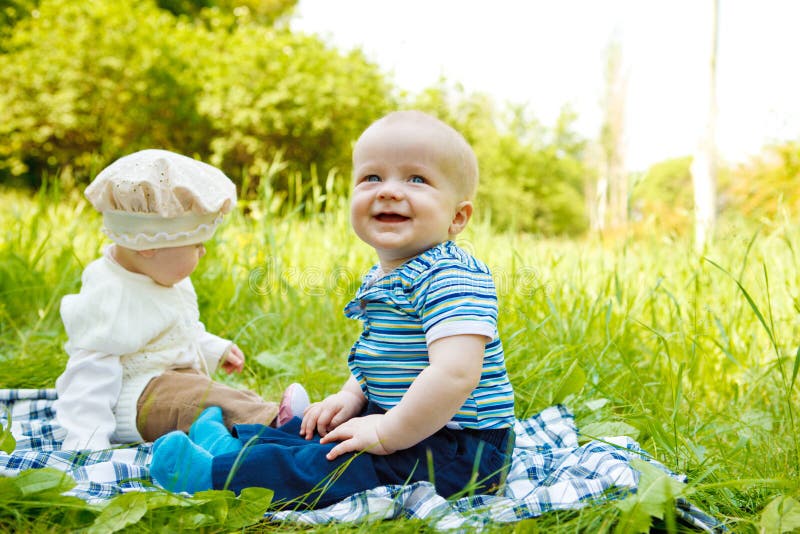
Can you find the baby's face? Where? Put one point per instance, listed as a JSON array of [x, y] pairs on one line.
[[170, 265], [405, 194]]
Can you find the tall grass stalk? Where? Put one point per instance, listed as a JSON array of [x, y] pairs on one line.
[[639, 337]]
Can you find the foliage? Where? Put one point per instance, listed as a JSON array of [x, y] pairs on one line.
[[306, 103], [696, 359], [35, 501], [7, 441], [82, 83], [781, 515], [12, 11], [655, 497], [85, 82], [767, 186], [264, 11], [662, 198], [531, 177]]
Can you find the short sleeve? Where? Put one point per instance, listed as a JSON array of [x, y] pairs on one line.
[[454, 299]]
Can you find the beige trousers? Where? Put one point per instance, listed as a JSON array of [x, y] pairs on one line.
[[173, 400]]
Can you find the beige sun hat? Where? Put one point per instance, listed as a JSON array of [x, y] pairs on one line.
[[157, 199]]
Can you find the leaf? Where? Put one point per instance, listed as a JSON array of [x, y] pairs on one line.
[[633, 521], [126, 509], [571, 383], [656, 493], [202, 497], [43, 481], [249, 508], [217, 506], [782, 514], [7, 441], [190, 520], [596, 404], [164, 499], [8, 490]]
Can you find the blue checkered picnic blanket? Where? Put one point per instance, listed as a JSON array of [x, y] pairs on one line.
[[549, 471]]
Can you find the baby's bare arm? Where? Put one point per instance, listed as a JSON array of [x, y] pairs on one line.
[[434, 397]]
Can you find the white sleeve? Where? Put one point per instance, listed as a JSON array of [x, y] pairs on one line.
[[457, 328], [87, 393], [212, 348]]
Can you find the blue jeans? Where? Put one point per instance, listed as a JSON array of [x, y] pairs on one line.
[[296, 469]]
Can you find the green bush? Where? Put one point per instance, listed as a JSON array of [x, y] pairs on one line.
[[263, 11], [272, 92], [764, 188], [663, 197], [531, 176], [767, 186], [83, 83]]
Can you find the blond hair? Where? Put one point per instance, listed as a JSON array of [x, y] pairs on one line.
[[458, 150]]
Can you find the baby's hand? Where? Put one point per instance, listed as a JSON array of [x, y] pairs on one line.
[[329, 413], [357, 434], [233, 360]]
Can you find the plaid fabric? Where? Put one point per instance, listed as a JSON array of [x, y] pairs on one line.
[[550, 471]]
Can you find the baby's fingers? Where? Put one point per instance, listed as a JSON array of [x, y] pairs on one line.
[[324, 420], [345, 446], [337, 420], [310, 416]]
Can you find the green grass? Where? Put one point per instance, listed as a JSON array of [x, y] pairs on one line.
[[694, 357]]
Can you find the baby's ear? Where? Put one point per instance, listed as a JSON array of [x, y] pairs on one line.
[[461, 217], [149, 253]]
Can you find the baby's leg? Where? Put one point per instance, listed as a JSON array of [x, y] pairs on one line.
[[180, 465], [297, 471], [210, 433], [174, 399]]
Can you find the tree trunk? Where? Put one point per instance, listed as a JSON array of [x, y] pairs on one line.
[[611, 195], [704, 165]]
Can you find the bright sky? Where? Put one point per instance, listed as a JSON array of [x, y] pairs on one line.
[[548, 53]]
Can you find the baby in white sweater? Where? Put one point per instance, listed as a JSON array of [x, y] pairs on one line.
[[139, 358]]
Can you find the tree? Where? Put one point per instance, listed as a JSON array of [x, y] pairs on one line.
[[765, 188], [531, 175], [662, 199], [610, 196], [704, 166], [266, 12], [86, 81]]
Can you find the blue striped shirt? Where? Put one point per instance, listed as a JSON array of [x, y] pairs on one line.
[[442, 292]]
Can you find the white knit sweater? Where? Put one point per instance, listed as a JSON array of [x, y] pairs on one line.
[[124, 329]]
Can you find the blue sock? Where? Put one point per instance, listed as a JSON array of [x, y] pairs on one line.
[[209, 431], [180, 465]]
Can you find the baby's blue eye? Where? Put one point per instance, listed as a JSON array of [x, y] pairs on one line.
[[417, 180], [372, 178]]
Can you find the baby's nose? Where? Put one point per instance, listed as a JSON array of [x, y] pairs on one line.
[[390, 189]]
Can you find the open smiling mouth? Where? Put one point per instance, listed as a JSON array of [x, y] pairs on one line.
[[391, 217]]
